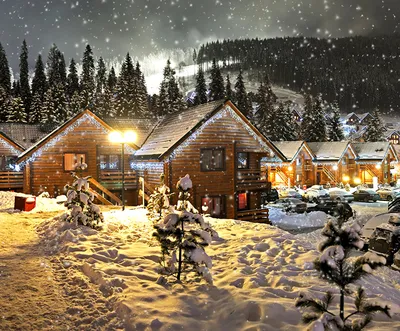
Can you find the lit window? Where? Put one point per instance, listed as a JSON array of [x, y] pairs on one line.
[[213, 206], [212, 159], [71, 159], [110, 162], [242, 201], [7, 163], [243, 160]]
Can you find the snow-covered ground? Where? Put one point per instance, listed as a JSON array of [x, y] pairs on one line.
[[258, 272]]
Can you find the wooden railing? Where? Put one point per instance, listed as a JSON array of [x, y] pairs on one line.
[[371, 170], [254, 215], [331, 176], [250, 179], [103, 194], [148, 190], [11, 180], [113, 180], [308, 167]]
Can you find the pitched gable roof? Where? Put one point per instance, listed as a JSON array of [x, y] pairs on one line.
[[363, 116], [10, 144], [290, 149], [176, 128], [63, 130], [24, 135], [350, 115], [328, 151], [375, 151]]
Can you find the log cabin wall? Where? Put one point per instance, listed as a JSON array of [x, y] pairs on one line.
[[9, 179], [231, 136], [47, 170]]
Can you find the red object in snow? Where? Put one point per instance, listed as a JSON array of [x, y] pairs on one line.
[[304, 187], [24, 203]]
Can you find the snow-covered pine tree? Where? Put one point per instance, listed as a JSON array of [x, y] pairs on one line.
[[201, 88], [5, 74], [242, 101], [16, 111], [39, 88], [112, 79], [56, 72], [54, 108], [4, 104], [228, 88], [74, 104], [141, 102], [36, 108], [217, 88], [80, 201], [313, 126], [183, 236], [101, 76], [283, 126], [72, 80], [375, 128], [265, 116], [88, 85], [24, 79], [159, 206], [339, 267], [125, 89], [16, 89], [335, 128]]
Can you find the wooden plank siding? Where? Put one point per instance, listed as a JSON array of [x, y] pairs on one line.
[[48, 168], [215, 183], [10, 180]]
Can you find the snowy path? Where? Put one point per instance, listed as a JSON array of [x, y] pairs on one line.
[[30, 298]]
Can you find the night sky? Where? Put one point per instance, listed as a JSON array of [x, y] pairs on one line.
[[143, 26]]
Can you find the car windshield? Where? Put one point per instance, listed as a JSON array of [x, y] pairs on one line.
[[370, 191]]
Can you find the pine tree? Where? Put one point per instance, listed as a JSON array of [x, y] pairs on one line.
[[201, 88], [339, 267], [101, 76], [242, 100], [228, 89], [112, 79], [313, 126], [266, 112], [39, 81], [4, 104], [74, 105], [375, 128], [16, 111], [36, 108], [125, 89], [72, 80], [54, 110], [56, 72], [141, 103], [170, 98], [283, 126], [88, 86], [335, 129], [24, 78], [16, 89], [5, 74], [217, 89]]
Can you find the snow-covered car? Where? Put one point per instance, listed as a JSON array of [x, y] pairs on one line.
[[388, 194], [385, 241], [316, 193], [333, 208], [290, 204], [366, 195], [290, 193], [375, 221], [341, 195]]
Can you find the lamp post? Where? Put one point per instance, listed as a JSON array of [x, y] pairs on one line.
[[122, 138]]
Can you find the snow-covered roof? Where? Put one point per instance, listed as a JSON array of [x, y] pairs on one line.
[[289, 149], [348, 116], [363, 116], [372, 150], [332, 150], [141, 126], [24, 135]]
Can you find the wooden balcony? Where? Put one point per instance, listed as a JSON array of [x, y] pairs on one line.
[[308, 167], [254, 215], [249, 179], [11, 180], [112, 180]]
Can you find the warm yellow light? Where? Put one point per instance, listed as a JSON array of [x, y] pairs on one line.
[[117, 137], [378, 166], [357, 180], [346, 178], [290, 168], [335, 167]]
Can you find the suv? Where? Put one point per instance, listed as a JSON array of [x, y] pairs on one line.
[[316, 193], [269, 196], [385, 241], [333, 208]]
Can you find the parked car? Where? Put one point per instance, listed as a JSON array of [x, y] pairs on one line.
[[366, 195], [375, 221], [394, 206], [290, 193], [316, 193], [341, 195], [387, 193], [385, 241], [333, 208], [290, 204], [269, 196]]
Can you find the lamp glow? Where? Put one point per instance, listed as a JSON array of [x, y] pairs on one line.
[[378, 166], [346, 178], [290, 168], [357, 181], [335, 167]]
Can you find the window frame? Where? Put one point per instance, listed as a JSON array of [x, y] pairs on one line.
[[247, 161], [247, 201], [108, 162], [223, 204], [75, 153], [213, 149]]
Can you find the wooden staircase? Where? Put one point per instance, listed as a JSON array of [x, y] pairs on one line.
[[148, 190], [102, 194], [281, 174], [371, 170], [330, 175]]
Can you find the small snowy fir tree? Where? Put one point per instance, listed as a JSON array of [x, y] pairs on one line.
[[158, 205], [337, 266], [335, 128], [183, 235], [80, 201], [375, 128]]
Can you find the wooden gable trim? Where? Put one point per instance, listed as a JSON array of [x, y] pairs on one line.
[[11, 142], [61, 128], [306, 148], [348, 147]]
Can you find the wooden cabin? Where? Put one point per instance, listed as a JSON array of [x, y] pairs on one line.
[[364, 118], [334, 162], [393, 136], [11, 177], [48, 163], [297, 168], [352, 119], [375, 159], [221, 151]]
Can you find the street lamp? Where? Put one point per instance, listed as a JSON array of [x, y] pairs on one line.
[[122, 138]]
